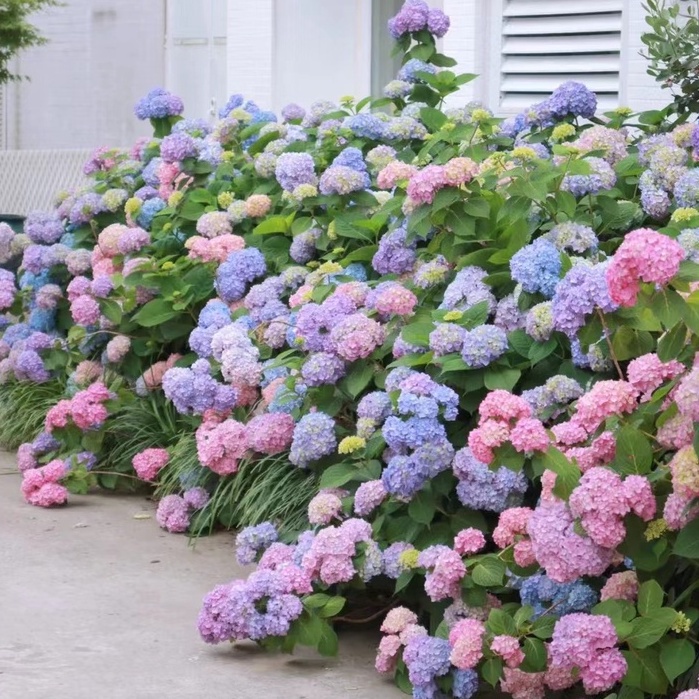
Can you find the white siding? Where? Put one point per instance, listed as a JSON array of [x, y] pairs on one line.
[[101, 57]]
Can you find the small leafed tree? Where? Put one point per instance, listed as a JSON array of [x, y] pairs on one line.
[[17, 33]]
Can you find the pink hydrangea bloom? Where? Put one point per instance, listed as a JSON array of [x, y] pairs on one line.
[[601, 452], [25, 457], [564, 554], [685, 472], [425, 183], [568, 433], [173, 514], [648, 372], [48, 495], [257, 205], [213, 224], [588, 642], [117, 348], [221, 445], [85, 310], [689, 694], [677, 432], [503, 405], [356, 337], [397, 620], [215, 249], [387, 655], [443, 580], [77, 287], [86, 372], [108, 239], [622, 586], [687, 395], [466, 639], [486, 437], [355, 291], [523, 685], [57, 416], [270, 433], [396, 171], [507, 647], [529, 435], [644, 255], [639, 495], [411, 631], [679, 512], [323, 508], [149, 462], [603, 400], [458, 171], [469, 541], [368, 497], [87, 407], [301, 296], [511, 526], [395, 300], [40, 486]]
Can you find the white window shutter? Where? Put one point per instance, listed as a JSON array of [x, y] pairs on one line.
[[546, 42]]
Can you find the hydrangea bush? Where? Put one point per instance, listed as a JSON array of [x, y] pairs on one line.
[[440, 364]]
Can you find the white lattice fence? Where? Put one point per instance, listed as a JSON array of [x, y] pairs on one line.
[[30, 179]]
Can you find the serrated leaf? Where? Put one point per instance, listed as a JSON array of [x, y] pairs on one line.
[[645, 631], [634, 453], [489, 572], [650, 597]]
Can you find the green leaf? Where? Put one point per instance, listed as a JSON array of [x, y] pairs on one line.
[[337, 475], [273, 224], [676, 657], [567, 473], [687, 543], [477, 207], [422, 508], [491, 671], [111, 310], [327, 643], [543, 627], [650, 597], [358, 379], [539, 351], [501, 378], [645, 671], [629, 343], [445, 198], [418, 333], [332, 607], [672, 343], [634, 453], [432, 118], [316, 601], [645, 632], [404, 580], [500, 623], [489, 572], [535, 655], [154, 313], [668, 306]]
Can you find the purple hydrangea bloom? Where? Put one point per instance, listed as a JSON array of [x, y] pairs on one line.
[[322, 368], [177, 146], [293, 112], [573, 98], [582, 290], [687, 189], [601, 178], [412, 17], [252, 541], [215, 314], [234, 101], [196, 498], [537, 267], [403, 477], [352, 158], [395, 255], [303, 246], [193, 391], [483, 345], [366, 126], [314, 322], [340, 179], [158, 104], [437, 22], [426, 657], [392, 566], [466, 684], [376, 406], [294, 169], [467, 290], [29, 366], [481, 488], [43, 228], [408, 72], [411, 433], [240, 269], [314, 438]]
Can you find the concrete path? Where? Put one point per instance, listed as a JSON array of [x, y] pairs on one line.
[[97, 604]]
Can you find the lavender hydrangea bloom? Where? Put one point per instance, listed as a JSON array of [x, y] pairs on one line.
[[687, 189], [352, 158], [295, 169], [573, 98], [241, 268], [481, 488], [366, 126], [177, 146], [403, 477], [412, 433], [340, 179], [314, 437], [392, 566], [466, 683], [43, 228], [547, 596], [194, 391], [467, 290], [483, 345], [409, 71], [29, 366], [254, 540], [573, 236], [581, 291], [537, 267], [158, 104], [395, 255], [375, 406], [303, 246], [293, 112], [426, 657], [314, 322], [234, 101], [602, 177], [322, 368]]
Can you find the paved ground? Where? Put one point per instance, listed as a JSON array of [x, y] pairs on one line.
[[97, 604]]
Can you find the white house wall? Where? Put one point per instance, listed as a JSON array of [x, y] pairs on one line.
[[101, 57]]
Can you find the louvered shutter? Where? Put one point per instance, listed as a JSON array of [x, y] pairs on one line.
[[546, 42]]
